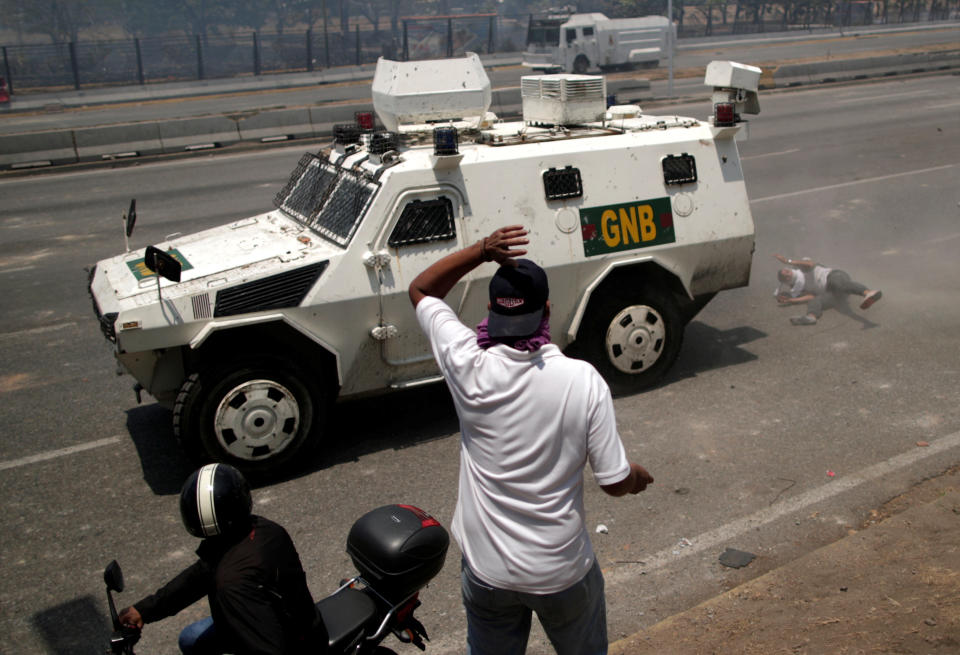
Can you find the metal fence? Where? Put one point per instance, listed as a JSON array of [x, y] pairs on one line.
[[708, 19], [178, 58]]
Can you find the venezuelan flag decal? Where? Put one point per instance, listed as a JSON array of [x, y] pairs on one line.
[[141, 272]]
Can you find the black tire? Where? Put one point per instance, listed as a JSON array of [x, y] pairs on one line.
[[581, 64], [257, 415], [632, 337]]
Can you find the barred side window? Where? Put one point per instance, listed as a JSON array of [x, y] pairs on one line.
[[562, 183], [423, 221]]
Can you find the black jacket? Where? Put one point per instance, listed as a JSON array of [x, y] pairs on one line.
[[257, 590]]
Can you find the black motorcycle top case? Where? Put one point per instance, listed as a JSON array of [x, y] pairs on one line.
[[397, 549]]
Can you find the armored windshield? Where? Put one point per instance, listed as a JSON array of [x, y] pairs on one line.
[[329, 200], [544, 32]]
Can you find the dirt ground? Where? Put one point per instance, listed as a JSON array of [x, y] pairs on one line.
[[891, 587]]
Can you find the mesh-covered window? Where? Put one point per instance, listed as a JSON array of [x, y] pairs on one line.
[[329, 200], [562, 183], [679, 169], [306, 188], [341, 213], [422, 221]]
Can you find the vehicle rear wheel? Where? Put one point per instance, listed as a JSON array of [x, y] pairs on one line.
[[581, 64], [257, 415], [633, 337]]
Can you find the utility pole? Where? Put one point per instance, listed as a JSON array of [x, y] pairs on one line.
[[670, 47]]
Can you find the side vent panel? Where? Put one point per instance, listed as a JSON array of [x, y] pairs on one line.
[[201, 306], [274, 292], [562, 183], [679, 169]]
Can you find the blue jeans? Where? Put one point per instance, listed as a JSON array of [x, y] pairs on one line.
[[200, 638], [498, 620]]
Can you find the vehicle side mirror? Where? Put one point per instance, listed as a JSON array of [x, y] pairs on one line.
[[113, 577], [162, 263]]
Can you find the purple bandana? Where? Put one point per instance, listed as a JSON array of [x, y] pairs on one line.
[[529, 344]]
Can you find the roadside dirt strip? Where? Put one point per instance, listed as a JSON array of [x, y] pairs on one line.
[[890, 587]]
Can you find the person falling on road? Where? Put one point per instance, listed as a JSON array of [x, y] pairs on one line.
[[806, 281]]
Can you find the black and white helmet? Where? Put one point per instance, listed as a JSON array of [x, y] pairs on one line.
[[215, 500]]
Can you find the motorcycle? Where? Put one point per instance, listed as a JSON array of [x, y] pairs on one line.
[[397, 550]]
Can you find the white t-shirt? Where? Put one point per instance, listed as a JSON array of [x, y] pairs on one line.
[[529, 423], [816, 282]]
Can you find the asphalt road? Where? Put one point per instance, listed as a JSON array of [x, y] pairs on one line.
[[742, 436]]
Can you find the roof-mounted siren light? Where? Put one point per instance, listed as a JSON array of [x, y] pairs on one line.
[[415, 94], [445, 141], [364, 121], [734, 91]]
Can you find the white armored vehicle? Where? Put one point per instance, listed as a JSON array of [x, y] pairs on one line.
[[248, 330]]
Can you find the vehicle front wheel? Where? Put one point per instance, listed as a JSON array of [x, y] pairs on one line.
[[257, 415], [633, 338]]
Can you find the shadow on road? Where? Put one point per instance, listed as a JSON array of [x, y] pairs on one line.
[[71, 628], [354, 428], [395, 421], [706, 348], [165, 466]]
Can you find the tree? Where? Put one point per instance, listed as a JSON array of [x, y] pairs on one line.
[[61, 20]]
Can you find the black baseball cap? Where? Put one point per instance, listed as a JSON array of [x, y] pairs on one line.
[[518, 295]]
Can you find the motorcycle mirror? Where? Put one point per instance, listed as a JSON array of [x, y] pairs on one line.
[[131, 217], [113, 577], [162, 263]]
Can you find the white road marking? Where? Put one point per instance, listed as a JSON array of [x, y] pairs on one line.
[[884, 97], [730, 531], [771, 154], [36, 330], [868, 180], [53, 454]]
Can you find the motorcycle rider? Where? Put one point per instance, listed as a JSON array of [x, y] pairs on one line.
[[249, 570]]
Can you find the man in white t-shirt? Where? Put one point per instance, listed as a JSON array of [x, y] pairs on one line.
[[530, 420], [806, 281]]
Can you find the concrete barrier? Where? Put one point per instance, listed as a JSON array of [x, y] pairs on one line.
[[848, 69], [629, 91], [37, 149], [275, 124], [195, 133], [116, 141], [324, 118]]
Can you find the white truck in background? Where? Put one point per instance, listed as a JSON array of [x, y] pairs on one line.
[[579, 43]]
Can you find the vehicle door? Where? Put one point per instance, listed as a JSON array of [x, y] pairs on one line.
[[589, 45], [425, 225], [569, 47]]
